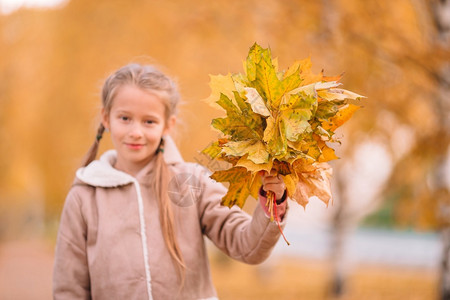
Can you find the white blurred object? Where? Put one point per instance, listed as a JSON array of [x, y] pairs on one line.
[[9, 6]]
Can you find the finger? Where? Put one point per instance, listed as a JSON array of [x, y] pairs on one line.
[[278, 189], [272, 179], [269, 185]]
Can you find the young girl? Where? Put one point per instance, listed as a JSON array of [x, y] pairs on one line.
[[133, 222]]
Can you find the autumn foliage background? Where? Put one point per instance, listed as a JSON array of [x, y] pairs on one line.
[[53, 62]]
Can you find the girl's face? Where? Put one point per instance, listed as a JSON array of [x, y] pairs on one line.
[[136, 122]]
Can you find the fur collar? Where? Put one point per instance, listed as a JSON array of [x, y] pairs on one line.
[[101, 173]]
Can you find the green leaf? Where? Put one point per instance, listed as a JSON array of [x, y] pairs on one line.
[[237, 124], [213, 150], [295, 122], [267, 83], [237, 130], [327, 109], [243, 105], [299, 100], [227, 104], [254, 56], [276, 144]]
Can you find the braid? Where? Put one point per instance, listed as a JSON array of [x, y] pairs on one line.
[[166, 214], [92, 152]]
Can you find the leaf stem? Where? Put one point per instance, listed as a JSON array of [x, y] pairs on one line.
[[272, 201]]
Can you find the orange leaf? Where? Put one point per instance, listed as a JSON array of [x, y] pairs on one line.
[[342, 116]]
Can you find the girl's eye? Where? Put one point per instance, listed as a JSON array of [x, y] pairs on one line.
[[149, 122], [123, 118]]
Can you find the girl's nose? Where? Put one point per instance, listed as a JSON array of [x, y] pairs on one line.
[[136, 131]]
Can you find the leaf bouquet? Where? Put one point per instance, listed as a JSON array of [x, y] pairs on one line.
[[278, 121]]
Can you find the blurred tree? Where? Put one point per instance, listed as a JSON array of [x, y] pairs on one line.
[[394, 52], [405, 54]]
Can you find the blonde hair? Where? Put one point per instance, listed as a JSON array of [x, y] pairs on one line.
[[152, 80]]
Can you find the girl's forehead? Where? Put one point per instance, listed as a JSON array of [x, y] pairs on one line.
[[134, 90], [133, 98]]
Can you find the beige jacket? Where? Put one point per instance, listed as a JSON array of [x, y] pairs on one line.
[[110, 245]]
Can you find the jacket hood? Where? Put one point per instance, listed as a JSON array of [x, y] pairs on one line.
[[101, 173]]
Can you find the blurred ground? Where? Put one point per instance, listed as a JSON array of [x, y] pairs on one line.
[[26, 270], [309, 279]]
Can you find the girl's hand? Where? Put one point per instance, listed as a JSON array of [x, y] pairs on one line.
[[273, 183]]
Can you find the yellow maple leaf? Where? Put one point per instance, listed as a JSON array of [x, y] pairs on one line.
[[254, 148], [327, 154], [240, 183], [212, 150], [220, 84], [290, 181], [305, 72], [253, 167]]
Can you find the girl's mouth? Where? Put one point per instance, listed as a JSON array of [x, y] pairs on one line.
[[134, 146]]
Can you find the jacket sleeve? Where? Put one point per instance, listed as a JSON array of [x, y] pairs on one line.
[[71, 274], [249, 239]]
